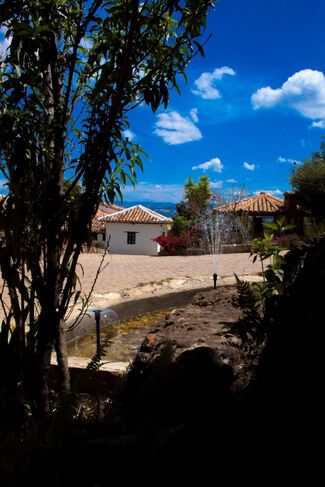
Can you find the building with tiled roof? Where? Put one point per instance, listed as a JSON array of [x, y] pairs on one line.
[[109, 207], [136, 214], [99, 227], [132, 230], [254, 211], [261, 204]]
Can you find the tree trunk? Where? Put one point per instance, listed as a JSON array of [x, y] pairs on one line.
[[62, 359], [42, 368]]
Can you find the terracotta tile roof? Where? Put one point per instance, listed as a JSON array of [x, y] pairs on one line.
[[110, 207], [100, 213], [263, 203], [136, 214], [104, 209], [98, 226]]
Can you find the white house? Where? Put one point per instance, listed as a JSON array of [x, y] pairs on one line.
[[130, 231]]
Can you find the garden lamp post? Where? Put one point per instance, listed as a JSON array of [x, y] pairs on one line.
[[103, 317], [215, 277], [97, 320]]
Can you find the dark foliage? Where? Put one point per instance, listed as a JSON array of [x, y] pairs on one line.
[[249, 328]]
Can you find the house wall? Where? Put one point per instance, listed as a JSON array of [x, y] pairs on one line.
[[145, 232]]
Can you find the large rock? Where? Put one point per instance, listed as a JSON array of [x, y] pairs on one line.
[[186, 366]]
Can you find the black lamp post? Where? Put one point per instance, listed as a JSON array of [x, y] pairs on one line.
[[97, 319], [215, 277], [103, 317]]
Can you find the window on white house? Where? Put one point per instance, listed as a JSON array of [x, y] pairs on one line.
[[131, 236]]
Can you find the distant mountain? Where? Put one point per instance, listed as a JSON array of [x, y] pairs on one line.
[[165, 208]]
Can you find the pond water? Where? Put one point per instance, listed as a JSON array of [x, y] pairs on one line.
[[125, 338]]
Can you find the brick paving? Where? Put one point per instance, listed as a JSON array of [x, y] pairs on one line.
[[128, 271]]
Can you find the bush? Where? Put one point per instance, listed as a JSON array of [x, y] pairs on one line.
[[172, 244]]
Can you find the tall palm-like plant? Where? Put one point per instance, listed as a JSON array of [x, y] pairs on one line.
[[74, 71]]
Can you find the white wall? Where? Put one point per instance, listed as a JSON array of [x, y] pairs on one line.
[[117, 235]]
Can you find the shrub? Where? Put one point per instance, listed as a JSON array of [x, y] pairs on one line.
[[172, 244]]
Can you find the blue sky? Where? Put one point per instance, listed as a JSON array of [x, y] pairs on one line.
[[251, 107], [259, 106]]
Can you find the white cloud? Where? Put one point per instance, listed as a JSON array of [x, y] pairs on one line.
[[214, 164], [216, 184], [290, 161], [194, 115], [233, 181], [320, 124], [249, 167], [175, 129], [205, 84], [304, 91], [146, 191], [128, 134], [274, 192]]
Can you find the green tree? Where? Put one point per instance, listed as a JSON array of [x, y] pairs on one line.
[[74, 71], [197, 195], [195, 203], [308, 181]]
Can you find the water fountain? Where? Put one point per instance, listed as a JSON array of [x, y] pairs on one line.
[[219, 229]]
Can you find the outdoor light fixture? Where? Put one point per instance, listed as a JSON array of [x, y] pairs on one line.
[[103, 317], [215, 277], [97, 313]]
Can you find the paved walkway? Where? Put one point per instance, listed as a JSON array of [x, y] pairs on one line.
[[128, 271], [131, 277]]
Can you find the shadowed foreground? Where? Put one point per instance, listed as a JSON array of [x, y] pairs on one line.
[[188, 412]]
